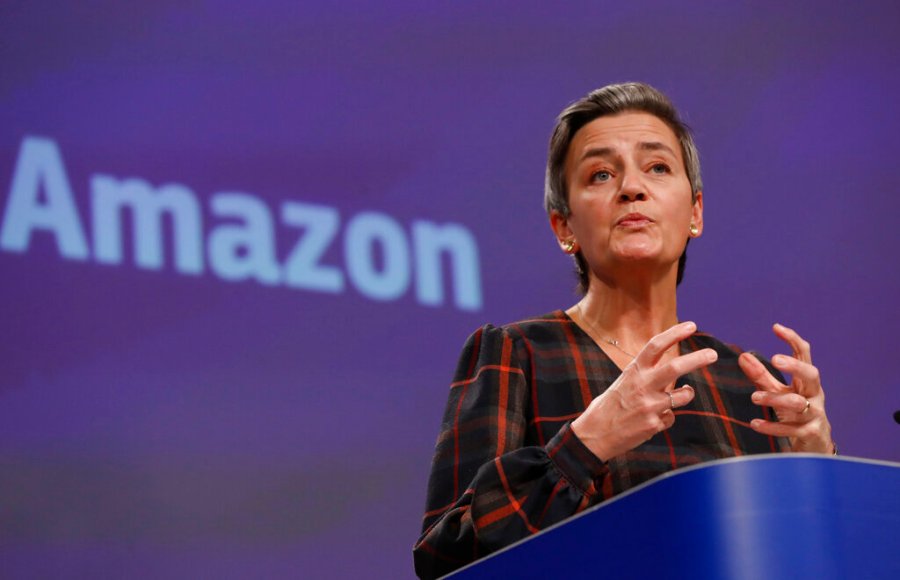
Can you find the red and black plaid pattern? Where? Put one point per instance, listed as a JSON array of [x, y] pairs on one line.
[[507, 464]]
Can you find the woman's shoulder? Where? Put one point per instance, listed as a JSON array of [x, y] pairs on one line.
[[553, 327]]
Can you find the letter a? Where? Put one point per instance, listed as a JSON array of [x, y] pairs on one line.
[[40, 165], [247, 250]]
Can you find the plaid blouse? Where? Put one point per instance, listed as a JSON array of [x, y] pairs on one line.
[[507, 464]]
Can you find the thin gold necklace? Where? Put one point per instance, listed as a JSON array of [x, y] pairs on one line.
[[611, 341]]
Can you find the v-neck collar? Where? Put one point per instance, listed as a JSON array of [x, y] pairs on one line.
[[682, 345]]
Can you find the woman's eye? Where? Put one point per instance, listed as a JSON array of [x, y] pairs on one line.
[[600, 176], [660, 168]]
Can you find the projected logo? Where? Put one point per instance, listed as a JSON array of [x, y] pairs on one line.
[[242, 245]]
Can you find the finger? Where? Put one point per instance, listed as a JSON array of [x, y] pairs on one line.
[[781, 402], [797, 368], [679, 366], [682, 396], [667, 419], [664, 421], [659, 344], [801, 348], [675, 398], [759, 374], [779, 429]]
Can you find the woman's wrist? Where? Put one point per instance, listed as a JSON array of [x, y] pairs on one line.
[[593, 444]]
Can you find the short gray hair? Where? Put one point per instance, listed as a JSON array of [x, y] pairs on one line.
[[607, 101]]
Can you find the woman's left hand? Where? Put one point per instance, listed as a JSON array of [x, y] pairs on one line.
[[801, 406]]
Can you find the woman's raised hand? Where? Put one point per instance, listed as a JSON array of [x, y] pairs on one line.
[[640, 403], [800, 407]]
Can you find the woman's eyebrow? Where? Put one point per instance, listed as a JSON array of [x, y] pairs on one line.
[[597, 152], [610, 152], [655, 146]]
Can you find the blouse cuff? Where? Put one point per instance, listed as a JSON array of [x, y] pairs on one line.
[[575, 461]]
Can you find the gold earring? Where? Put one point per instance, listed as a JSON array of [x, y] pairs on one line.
[[695, 231], [568, 246]]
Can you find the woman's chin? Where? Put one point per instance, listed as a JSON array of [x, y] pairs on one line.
[[647, 262], [638, 254]]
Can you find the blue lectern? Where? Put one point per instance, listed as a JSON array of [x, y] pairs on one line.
[[766, 516]]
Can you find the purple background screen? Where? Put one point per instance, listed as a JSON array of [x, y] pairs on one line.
[[263, 413]]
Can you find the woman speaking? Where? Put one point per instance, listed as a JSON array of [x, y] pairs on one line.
[[554, 414]]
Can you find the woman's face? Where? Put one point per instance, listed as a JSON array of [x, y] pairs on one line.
[[629, 196]]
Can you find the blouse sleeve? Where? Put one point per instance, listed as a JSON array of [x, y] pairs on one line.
[[489, 487]]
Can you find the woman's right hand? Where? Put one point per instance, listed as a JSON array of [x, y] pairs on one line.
[[639, 404]]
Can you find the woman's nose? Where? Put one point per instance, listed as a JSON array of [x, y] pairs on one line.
[[633, 188]]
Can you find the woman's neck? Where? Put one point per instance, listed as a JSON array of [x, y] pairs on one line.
[[631, 314]]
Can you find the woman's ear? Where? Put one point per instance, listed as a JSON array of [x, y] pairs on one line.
[[565, 237], [697, 213]]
